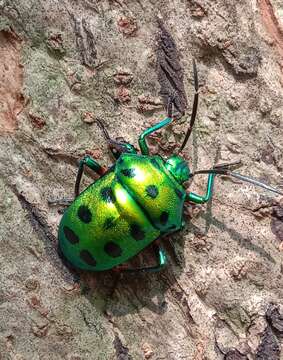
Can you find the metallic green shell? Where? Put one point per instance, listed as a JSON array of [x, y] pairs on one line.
[[121, 213]]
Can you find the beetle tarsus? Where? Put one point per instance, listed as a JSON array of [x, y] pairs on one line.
[[60, 202]]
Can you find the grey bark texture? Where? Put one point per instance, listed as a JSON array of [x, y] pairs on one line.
[[65, 63]]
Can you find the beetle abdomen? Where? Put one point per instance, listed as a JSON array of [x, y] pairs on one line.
[[104, 227]]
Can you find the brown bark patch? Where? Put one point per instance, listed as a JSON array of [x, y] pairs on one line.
[[271, 23], [11, 81], [127, 26], [37, 121]]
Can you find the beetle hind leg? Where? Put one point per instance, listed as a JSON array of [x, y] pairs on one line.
[[161, 263]]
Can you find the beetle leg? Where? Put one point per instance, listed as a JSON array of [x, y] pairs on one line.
[[64, 202], [161, 262], [61, 202], [86, 161], [90, 163], [142, 142], [198, 199]]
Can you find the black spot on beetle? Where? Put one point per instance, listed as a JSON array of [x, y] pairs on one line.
[[109, 223], [84, 214], [70, 235], [108, 195], [164, 217], [155, 163], [179, 193], [86, 256], [112, 249], [152, 191], [136, 232], [129, 172]]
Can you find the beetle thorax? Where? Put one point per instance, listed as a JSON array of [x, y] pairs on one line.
[[178, 167]]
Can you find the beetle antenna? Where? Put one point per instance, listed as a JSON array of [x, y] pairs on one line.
[[224, 170], [106, 134], [195, 107], [103, 128]]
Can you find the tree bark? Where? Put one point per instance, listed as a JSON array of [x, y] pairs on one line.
[[63, 64]]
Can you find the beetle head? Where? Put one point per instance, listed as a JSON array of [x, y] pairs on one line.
[[119, 147], [178, 167]]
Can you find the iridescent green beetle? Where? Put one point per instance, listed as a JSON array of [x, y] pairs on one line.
[[132, 204]]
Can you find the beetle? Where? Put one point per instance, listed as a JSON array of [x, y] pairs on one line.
[[133, 203]]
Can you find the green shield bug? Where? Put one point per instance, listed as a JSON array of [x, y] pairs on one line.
[[133, 203]]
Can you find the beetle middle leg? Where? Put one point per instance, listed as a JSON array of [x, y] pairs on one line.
[[199, 199], [90, 163]]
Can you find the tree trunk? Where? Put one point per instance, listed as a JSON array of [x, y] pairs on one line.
[[63, 64]]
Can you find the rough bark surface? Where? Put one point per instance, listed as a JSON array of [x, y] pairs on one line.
[[64, 63]]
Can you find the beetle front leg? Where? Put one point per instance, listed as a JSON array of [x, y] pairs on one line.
[[198, 199], [142, 142]]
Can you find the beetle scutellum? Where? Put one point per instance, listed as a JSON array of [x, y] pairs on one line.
[[133, 203]]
